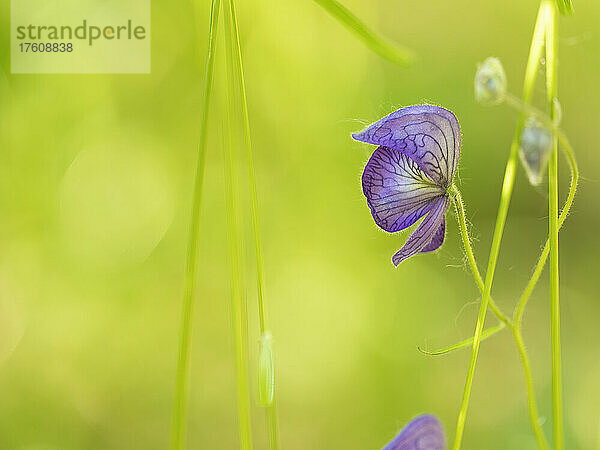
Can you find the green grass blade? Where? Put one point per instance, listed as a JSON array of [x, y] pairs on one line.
[[565, 7], [271, 410], [384, 48], [239, 305], [237, 54], [179, 420], [239, 309]]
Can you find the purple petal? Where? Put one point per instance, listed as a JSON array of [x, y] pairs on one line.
[[422, 433], [438, 239], [398, 192], [425, 232], [429, 134]]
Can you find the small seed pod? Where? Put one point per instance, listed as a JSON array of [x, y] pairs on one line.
[[266, 371], [557, 111], [490, 82], [535, 148]]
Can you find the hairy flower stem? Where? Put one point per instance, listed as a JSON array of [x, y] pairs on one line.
[[551, 90], [462, 221], [179, 419], [507, 187], [238, 73], [533, 411]]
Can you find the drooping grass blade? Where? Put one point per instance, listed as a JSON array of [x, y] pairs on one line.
[[384, 48]]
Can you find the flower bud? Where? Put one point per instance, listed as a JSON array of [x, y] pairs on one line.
[[266, 371], [490, 82], [535, 149]]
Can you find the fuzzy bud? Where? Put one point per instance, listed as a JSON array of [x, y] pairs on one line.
[[490, 82], [535, 149]]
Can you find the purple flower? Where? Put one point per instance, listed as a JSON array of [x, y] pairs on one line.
[[422, 433], [410, 174]]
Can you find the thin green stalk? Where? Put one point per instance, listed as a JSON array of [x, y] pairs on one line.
[[551, 89], [569, 153], [515, 326], [532, 406], [238, 63], [248, 141], [566, 147], [520, 307], [238, 300], [273, 429], [534, 417], [238, 293], [465, 342], [507, 187], [179, 420]]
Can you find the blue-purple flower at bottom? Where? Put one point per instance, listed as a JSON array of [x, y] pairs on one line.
[[409, 174], [422, 433]]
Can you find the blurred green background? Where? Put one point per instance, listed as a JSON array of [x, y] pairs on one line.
[[96, 173]]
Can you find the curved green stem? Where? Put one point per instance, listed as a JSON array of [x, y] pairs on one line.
[[565, 145], [554, 227], [465, 342], [568, 150], [507, 187], [531, 403], [520, 307], [180, 400], [464, 232]]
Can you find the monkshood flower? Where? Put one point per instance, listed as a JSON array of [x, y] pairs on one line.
[[490, 82], [422, 433], [410, 174]]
